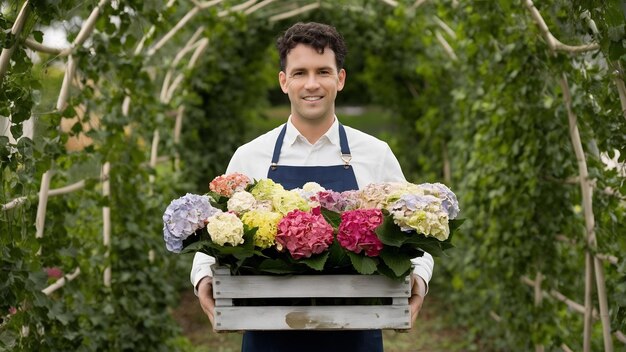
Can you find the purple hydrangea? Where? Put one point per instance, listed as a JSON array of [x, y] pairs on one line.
[[183, 217], [332, 200], [448, 198], [413, 202]]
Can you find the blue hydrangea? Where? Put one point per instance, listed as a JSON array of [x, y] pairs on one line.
[[448, 198], [183, 217]]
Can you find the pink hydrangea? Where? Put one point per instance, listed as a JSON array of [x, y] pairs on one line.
[[331, 200], [54, 273], [226, 185], [356, 231], [304, 233]]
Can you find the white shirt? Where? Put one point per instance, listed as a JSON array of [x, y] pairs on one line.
[[372, 161]]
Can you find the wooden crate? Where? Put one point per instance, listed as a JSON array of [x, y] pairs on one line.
[[229, 317]]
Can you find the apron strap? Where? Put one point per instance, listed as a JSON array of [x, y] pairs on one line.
[[277, 147], [343, 142], [345, 149]]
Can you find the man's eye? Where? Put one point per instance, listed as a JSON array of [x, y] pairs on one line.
[[296, 74], [324, 73]]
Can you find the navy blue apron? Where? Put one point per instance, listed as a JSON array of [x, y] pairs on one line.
[[339, 178]]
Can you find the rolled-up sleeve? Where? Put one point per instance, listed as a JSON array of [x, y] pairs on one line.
[[200, 268], [423, 267]]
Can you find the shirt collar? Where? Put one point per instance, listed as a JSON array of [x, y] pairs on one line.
[[292, 133]]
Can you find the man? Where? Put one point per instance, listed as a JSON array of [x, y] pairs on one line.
[[314, 146]]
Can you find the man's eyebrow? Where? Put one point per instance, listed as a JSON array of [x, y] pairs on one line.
[[295, 69]]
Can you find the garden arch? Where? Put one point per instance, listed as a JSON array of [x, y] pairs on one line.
[[163, 95]]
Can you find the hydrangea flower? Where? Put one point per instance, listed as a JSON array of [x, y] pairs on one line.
[[267, 224], [304, 234], [265, 189], [448, 198], [331, 200], [356, 231], [375, 195], [286, 201], [351, 199], [312, 187], [422, 213], [183, 217], [225, 228], [309, 193], [241, 202], [226, 185]]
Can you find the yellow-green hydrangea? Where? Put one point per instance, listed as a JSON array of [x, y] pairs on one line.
[[265, 189], [423, 214], [286, 201], [266, 222], [432, 224]]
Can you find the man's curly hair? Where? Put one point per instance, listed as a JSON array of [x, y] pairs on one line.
[[316, 35]]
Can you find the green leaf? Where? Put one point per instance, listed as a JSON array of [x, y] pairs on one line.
[[331, 217], [390, 234], [363, 264], [428, 244], [316, 262], [455, 224], [193, 247], [278, 266], [384, 270], [337, 256], [77, 127], [38, 36], [219, 201], [396, 260], [68, 111]]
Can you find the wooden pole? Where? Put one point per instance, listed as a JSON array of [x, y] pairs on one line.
[[538, 299], [587, 199], [587, 327], [16, 30], [40, 220]]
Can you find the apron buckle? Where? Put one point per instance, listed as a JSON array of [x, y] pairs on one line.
[[346, 159], [274, 166]]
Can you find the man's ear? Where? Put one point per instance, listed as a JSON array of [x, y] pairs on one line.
[[282, 79], [342, 79]]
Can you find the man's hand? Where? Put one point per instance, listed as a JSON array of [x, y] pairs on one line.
[[417, 297], [205, 295], [415, 302]]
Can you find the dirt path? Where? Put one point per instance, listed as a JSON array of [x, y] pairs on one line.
[[430, 334]]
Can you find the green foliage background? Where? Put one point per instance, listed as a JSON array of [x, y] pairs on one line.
[[494, 115]]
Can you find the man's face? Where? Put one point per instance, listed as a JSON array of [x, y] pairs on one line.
[[311, 80]]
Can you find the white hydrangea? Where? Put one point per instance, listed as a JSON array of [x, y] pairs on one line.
[[225, 228], [312, 187], [241, 202]]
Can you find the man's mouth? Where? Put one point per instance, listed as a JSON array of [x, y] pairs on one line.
[[313, 98]]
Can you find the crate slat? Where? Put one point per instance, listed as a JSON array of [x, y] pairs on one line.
[[312, 318], [263, 286]]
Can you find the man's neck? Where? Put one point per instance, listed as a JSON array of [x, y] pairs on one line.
[[312, 130]]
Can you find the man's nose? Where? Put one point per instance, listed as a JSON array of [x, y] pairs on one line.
[[311, 82]]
